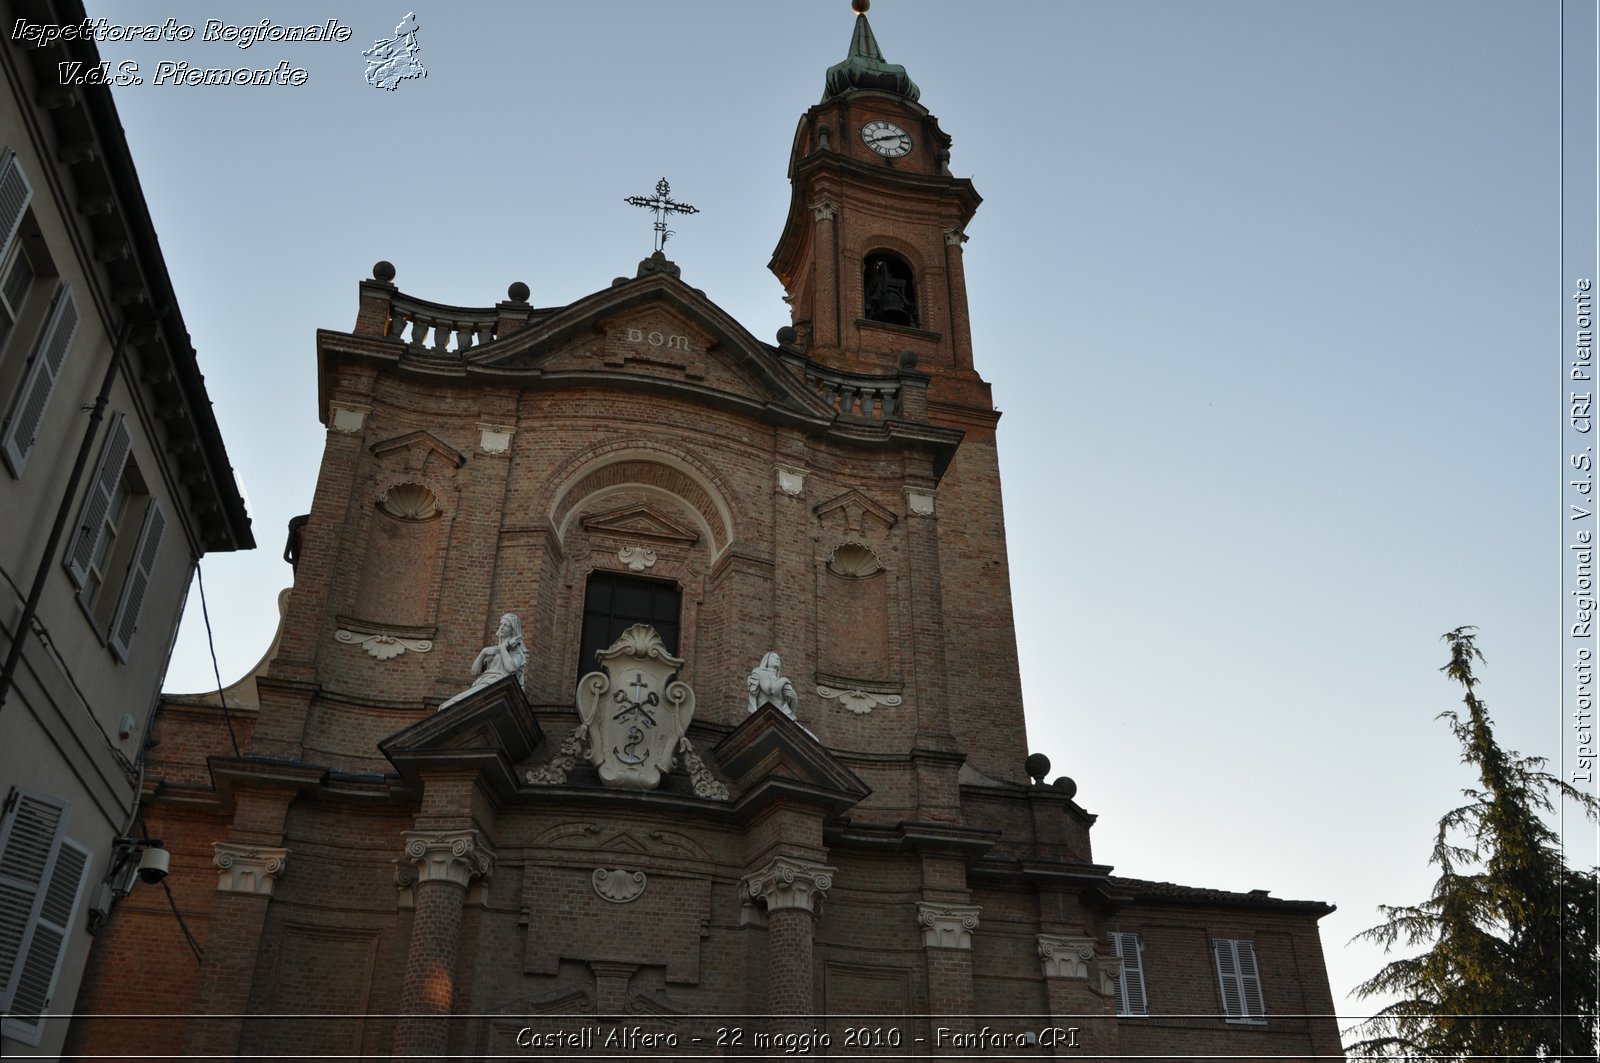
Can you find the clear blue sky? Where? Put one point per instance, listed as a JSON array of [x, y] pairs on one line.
[[1268, 292]]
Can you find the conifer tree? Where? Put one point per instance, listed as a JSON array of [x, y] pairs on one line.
[[1511, 965]]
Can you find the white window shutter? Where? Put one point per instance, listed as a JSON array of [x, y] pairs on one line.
[[1239, 980], [52, 930], [30, 837], [126, 620], [1130, 987], [92, 521], [15, 194], [1250, 981], [1228, 978], [27, 413]]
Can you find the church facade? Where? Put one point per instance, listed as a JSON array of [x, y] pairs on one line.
[[647, 686]]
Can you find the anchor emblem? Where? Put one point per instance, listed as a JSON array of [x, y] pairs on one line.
[[635, 713]]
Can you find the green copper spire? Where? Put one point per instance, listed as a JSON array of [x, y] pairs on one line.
[[864, 67]]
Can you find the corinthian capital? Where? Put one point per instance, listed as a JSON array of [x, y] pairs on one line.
[[789, 883], [457, 856]]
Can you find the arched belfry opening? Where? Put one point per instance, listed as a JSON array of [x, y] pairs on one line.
[[890, 290]]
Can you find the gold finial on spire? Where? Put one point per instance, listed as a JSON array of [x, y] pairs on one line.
[[860, 6]]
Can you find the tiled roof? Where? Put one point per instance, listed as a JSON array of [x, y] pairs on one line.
[[1172, 893]]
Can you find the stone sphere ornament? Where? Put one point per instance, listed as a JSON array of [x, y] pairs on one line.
[[1037, 766]]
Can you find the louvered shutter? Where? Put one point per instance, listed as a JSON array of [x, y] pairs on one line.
[[1130, 987], [92, 522], [1228, 978], [126, 620], [15, 193], [52, 929], [1250, 981], [27, 412], [1240, 981], [29, 840]]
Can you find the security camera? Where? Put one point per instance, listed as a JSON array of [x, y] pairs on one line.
[[153, 864]]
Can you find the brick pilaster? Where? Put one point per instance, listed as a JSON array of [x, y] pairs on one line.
[[1080, 986], [826, 328], [248, 867], [947, 951], [956, 298]]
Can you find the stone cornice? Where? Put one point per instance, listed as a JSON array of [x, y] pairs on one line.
[[456, 856]]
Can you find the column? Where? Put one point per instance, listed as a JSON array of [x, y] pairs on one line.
[[446, 861], [790, 889]]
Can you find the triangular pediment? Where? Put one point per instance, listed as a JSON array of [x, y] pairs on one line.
[[770, 755], [852, 507], [640, 521], [489, 730], [656, 328], [419, 444], [623, 842]]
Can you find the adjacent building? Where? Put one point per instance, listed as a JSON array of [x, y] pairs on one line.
[[113, 483], [648, 685]]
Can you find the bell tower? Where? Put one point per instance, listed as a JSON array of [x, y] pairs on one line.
[[871, 262], [870, 256]]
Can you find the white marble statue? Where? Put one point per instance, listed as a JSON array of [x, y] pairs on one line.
[[506, 657], [768, 686]]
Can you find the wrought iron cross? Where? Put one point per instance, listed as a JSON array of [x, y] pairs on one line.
[[663, 205]]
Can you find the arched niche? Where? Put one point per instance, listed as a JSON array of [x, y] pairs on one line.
[[397, 566]]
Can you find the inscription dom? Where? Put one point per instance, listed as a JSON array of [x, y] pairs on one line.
[[659, 339]]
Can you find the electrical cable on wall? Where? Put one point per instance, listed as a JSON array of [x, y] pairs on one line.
[[205, 614]]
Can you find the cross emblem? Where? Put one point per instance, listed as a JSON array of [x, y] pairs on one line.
[[636, 709], [662, 204]]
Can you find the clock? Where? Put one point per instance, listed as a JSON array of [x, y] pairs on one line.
[[886, 138]]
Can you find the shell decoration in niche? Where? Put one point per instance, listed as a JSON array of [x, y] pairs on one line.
[[409, 501], [619, 886], [853, 560]]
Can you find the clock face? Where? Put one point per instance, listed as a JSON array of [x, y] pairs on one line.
[[886, 138]]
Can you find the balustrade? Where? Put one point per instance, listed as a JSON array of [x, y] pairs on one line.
[[437, 328]]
